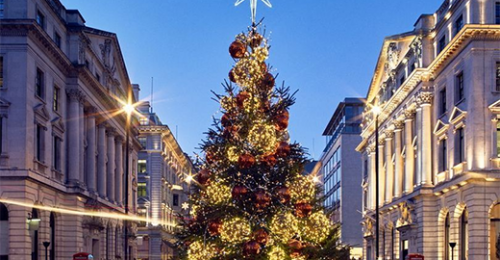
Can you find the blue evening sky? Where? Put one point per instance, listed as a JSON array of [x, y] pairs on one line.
[[327, 49]]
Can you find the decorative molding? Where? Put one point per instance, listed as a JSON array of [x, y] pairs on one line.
[[405, 215], [41, 113], [398, 125], [409, 114], [424, 98], [75, 95], [457, 116], [441, 128], [495, 107]]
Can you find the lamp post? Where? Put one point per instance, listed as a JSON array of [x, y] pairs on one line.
[[452, 245], [46, 244], [128, 108], [376, 112]]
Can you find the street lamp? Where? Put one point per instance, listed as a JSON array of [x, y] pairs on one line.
[[452, 245], [376, 112], [46, 244], [128, 108]]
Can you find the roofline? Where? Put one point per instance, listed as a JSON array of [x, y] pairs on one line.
[[340, 106]]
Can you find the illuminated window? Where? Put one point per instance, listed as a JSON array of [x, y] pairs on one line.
[[142, 189], [497, 77], [141, 166], [144, 121]]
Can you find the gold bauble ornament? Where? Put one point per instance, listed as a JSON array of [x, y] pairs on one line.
[[284, 226], [200, 251], [316, 228], [235, 230], [262, 137], [302, 188], [218, 193]]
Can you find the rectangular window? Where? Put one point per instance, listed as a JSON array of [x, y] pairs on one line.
[[39, 138], [497, 13], [98, 77], [175, 201], [402, 80], [56, 156], [57, 39], [56, 99], [442, 44], [2, 8], [39, 83], [497, 77], [142, 141], [1, 71], [460, 88], [442, 101], [460, 146], [40, 19], [459, 24], [141, 189], [443, 154], [1, 135], [141, 166]]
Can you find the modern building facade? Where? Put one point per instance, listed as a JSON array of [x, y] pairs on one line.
[[162, 186], [62, 149], [438, 88], [342, 170]]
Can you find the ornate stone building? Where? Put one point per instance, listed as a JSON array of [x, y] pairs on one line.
[[62, 150], [162, 188], [438, 87]]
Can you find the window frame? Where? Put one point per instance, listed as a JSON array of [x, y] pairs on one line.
[[441, 44], [497, 76], [56, 99], [459, 87], [447, 233], [57, 153], [39, 143], [497, 12], [57, 39], [40, 84], [2, 74], [443, 106], [457, 27], [40, 18], [464, 235], [443, 154], [460, 145]]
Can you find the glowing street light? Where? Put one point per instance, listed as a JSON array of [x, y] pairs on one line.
[[376, 112]]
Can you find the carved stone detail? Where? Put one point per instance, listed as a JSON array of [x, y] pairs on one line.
[[75, 95], [424, 97], [409, 114], [389, 134], [110, 131], [398, 124], [405, 215]]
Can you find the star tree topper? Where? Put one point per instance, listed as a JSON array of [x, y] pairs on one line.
[[253, 6]]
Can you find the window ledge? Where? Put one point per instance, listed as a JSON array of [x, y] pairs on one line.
[[459, 102], [459, 168], [41, 99]]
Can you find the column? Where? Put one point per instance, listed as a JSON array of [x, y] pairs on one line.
[[91, 150], [81, 132], [398, 171], [410, 153], [426, 160], [418, 168], [110, 191], [381, 177], [73, 123], [119, 170], [101, 160], [389, 168], [371, 184]]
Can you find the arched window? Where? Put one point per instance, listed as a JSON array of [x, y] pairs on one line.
[[4, 232], [52, 236], [495, 232], [464, 235], [117, 241], [108, 240], [34, 237], [446, 245]]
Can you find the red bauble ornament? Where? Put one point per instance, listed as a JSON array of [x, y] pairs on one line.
[[246, 161], [214, 227], [230, 132], [251, 248], [303, 209], [284, 194], [265, 106], [241, 97], [269, 160], [237, 49], [295, 247], [261, 236], [203, 176], [226, 120], [267, 82], [231, 76], [262, 199], [281, 122], [256, 40], [239, 192], [263, 67], [283, 149]]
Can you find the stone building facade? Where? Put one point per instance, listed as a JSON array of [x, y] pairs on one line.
[[341, 171], [163, 169], [62, 155], [438, 87]]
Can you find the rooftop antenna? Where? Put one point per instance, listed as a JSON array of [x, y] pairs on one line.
[[151, 105]]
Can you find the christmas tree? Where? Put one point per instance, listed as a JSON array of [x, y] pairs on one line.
[[251, 199]]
